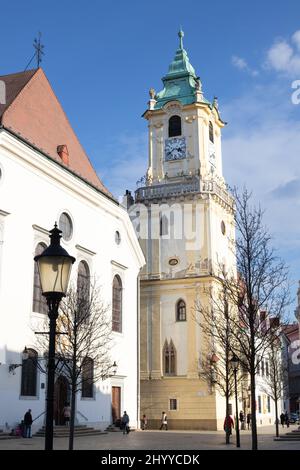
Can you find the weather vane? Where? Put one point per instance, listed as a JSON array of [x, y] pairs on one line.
[[39, 51]]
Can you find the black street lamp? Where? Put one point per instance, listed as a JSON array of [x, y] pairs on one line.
[[235, 365], [54, 266]]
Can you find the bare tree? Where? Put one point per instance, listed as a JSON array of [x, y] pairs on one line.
[[275, 382], [215, 320], [262, 287], [83, 342]]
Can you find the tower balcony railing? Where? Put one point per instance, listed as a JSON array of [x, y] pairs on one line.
[[161, 191], [196, 186]]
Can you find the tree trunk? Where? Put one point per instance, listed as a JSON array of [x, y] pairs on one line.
[[253, 411], [73, 403], [276, 416]]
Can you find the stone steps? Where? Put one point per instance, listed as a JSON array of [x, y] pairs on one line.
[[79, 431], [4, 436], [112, 428], [290, 436]]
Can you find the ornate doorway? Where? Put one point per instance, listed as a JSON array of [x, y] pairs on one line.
[[61, 396]]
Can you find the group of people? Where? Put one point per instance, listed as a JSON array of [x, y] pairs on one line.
[[24, 428], [163, 422], [144, 422]]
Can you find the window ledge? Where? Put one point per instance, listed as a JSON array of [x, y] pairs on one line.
[[28, 397]]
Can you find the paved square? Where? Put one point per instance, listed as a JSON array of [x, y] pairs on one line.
[[158, 440]]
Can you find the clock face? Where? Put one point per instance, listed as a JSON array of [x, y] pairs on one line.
[[175, 148]]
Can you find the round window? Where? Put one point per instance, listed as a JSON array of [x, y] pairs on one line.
[[223, 227], [66, 226], [173, 261], [117, 238]]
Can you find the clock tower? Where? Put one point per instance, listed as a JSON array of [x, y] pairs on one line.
[[184, 218]]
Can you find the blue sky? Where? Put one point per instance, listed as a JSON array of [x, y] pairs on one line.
[[102, 57]]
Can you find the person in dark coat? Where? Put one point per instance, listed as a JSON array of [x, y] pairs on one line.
[[27, 423], [125, 423], [242, 419], [287, 419], [248, 420], [282, 419]]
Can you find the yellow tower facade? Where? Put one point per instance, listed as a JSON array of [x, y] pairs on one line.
[[183, 215]]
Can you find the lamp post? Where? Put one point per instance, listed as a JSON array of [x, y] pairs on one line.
[[54, 266], [235, 364]]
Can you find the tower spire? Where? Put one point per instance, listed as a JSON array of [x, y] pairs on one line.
[[180, 34]]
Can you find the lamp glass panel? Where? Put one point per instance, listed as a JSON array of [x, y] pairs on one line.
[[54, 273]]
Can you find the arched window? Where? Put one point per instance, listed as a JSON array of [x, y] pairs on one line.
[[174, 126], [83, 289], [83, 281], [181, 310], [39, 303], [169, 358], [163, 225], [87, 378], [29, 374], [211, 132], [117, 304]]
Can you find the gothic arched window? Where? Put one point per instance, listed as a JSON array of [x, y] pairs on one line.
[[174, 126], [211, 132], [181, 310], [87, 378], [169, 358], [39, 303], [117, 304], [29, 374]]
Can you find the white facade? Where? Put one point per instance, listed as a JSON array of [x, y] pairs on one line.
[[34, 191]]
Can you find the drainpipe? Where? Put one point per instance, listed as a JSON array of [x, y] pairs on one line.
[[138, 350]]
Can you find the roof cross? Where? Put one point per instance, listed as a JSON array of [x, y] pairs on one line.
[[38, 49]]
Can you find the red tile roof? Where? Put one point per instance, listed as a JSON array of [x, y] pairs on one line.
[[33, 112]]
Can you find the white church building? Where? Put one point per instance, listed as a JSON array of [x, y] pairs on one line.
[[46, 176]]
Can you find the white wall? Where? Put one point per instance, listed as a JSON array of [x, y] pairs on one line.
[[34, 191]]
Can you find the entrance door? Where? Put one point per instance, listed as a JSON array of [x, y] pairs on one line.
[[116, 403], [60, 398]]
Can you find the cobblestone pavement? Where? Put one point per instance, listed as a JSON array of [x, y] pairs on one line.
[[157, 440]]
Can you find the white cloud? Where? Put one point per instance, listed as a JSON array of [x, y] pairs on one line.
[[296, 39], [241, 64], [261, 150], [284, 56]]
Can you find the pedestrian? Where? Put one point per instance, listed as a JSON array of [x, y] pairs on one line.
[[67, 413], [125, 423], [164, 421], [282, 419], [287, 419], [242, 419], [248, 420], [144, 422], [228, 424], [28, 423]]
